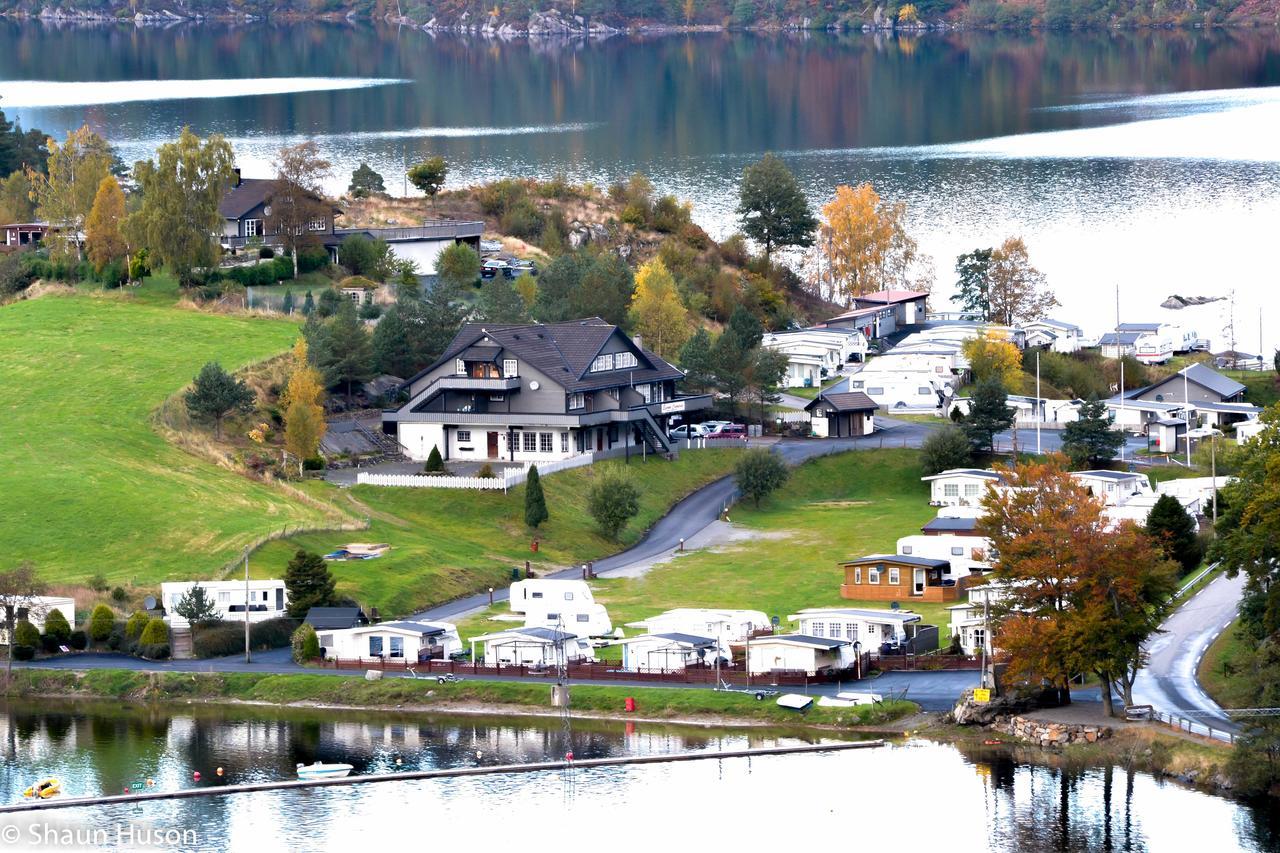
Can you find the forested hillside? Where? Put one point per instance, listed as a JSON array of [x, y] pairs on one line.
[[578, 15]]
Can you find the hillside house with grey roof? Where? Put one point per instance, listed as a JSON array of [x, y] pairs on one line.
[[533, 393]]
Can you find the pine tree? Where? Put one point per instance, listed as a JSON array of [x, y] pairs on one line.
[[1091, 439], [433, 321], [1174, 530], [287, 306], [391, 351], [535, 503], [435, 462], [309, 584], [365, 181], [696, 361], [217, 394], [989, 414], [973, 282], [348, 358], [308, 305], [773, 208], [499, 302]]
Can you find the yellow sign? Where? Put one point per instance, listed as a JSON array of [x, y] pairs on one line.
[[982, 695]]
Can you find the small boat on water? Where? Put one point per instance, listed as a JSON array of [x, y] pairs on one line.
[[320, 770], [44, 789]]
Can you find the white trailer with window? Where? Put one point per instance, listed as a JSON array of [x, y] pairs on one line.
[[267, 599], [393, 641], [568, 604]]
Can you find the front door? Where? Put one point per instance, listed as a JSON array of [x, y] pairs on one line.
[[493, 445], [599, 439], [918, 583]]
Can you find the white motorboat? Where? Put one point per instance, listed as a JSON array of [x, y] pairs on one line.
[[320, 770]]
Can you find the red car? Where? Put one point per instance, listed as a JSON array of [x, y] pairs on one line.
[[736, 431]]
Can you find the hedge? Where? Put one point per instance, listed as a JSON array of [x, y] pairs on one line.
[[156, 633], [23, 652], [56, 626], [138, 621], [217, 640], [155, 651], [271, 633], [26, 634]]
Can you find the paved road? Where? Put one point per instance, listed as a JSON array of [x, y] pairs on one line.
[[1169, 680]]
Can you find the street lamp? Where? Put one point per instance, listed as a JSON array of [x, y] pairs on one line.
[[1211, 434]]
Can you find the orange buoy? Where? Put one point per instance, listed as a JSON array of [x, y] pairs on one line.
[[219, 771], [568, 756], [196, 775]]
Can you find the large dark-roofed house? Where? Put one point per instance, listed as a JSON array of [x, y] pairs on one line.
[[537, 393], [245, 207]]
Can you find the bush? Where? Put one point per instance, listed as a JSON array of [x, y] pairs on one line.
[[523, 220], [117, 640], [311, 259], [759, 473], [486, 472], [138, 621], [282, 268], [271, 633], [154, 651], [79, 640], [945, 449], [266, 253], [217, 640], [305, 643], [22, 652], [613, 500], [26, 634], [119, 595], [155, 633], [435, 463], [97, 583], [56, 626], [101, 621], [50, 644], [315, 463]]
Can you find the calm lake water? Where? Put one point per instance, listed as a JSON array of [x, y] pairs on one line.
[[913, 795], [1148, 161]]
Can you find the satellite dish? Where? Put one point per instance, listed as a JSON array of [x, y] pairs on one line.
[[893, 605], [149, 603], [775, 621], [948, 391], [534, 386]]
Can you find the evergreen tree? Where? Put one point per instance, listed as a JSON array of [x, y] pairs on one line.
[[1090, 439], [287, 305], [433, 321], [556, 286], [499, 302], [196, 606], [746, 328], [308, 305], [773, 208], [428, 176], [535, 503], [696, 361], [309, 584], [101, 621], [435, 462], [348, 358], [989, 414], [365, 182], [56, 626], [973, 282], [1175, 531], [217, 394], [391, 351], [605, 290]]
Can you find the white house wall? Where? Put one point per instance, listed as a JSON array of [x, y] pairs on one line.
[[421, 252]]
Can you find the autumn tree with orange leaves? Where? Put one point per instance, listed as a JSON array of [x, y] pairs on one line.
[[1082, 595], [867, 247]]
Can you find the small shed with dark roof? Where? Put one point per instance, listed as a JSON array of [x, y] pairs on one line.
[[842, 415]]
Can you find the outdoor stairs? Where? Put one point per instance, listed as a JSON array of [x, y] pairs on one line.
[[654, 438], [181, 640], [388, 448]]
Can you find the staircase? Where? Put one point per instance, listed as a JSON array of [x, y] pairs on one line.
[[180, 638], [388, 448], [654, 438]]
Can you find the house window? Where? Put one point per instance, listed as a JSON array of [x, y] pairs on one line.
[[923, 392], [646, 392], [876, 391], [544, 442], [625, 359], [497, 398], [857, 576], [536, 595], [326, 641], [397, 647], [957, 552], [851, 630], [951, 490], [979, 638], [970, 490], [553, 617], [817, 628], [375, 647], [568, 596], [224, 598], [835, 630], [530, 442], [253, 228], [464, 436], [577, 400], [906, 550], [602, 362], [584, 617], [318, 225], [564, 442], [895, 577], [873, 574], [460, 367], [509, 368]]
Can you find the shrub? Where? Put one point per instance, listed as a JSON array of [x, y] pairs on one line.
[[101, 621], [97, 583], [118, 595], [117, 640], [138, 621], [56, 626], [305, 643], [282, 268], [311, 259], [315, 463], [155, 633], [486, 471], [266, 253], [759, 473], [435, 463], [271, 633], [50, 644], [218, 640], [155, 651], [79, 640], [23, 652], [613, 500], [945, 449], [26, 634]]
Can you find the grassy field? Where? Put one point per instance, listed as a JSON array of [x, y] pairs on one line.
[[653, 702], [447, 543], [1261, 387], [847, 505], [1219, 663], [87, 486]]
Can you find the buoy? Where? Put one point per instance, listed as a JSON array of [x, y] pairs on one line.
[[398, 762], [196, 775], [126, 789], [151, 783], [568, 756], [479, 754], [219, 771]]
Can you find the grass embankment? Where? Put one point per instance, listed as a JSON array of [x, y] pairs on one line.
[[87, 486], [447, 543], [846, 505], [653, 703], [1222, 661]]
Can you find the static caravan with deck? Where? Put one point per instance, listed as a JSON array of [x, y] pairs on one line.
[[538, 647], [670, 652], [267, 599], [568, 604], [392, 641], [902, 392]]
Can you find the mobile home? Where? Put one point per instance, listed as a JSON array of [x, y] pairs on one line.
[[568, 604], [395, 641], [267, 599]]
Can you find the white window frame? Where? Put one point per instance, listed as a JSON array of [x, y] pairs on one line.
[[646, 392], [459, 367], [602, 363], [564, 442], [906, 550], [895, 576], [395, 648], [253, 228], [625, 359], [851, 630], [464, 436], [957, 550], [857, 575], [951, 490], [970, 490], [577, 400], [318, 224], [816, 628], [529, 444], [876, 391], [510, 368], [873, 575]]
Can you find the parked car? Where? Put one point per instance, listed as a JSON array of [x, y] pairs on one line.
[[686, 431], [712, 426], [729, 431]]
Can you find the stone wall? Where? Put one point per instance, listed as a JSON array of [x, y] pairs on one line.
[[1050, 734]]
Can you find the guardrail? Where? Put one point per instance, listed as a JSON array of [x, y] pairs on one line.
[[1185, 724]]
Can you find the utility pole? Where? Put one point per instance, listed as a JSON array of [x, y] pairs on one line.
[[1213, 473], [1039, 402], [1186, 411], [248, 658], [986, 630], [1122, 443]]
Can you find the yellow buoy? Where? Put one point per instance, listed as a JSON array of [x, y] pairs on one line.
[[44, 789]]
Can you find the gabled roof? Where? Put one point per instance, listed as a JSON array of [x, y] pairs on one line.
[[1055, 324], [1209, 378], [546, 635], [562, 351], [427, 629], [950, 524], [856, 613], [892, 297], [802, 640], [1117, 476], [854, 401], [965, 472], [1138, 327], [247, 194]]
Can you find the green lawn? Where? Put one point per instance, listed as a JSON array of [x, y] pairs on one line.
[[1260, 385], [87, 486], [1220, 662], [447, 543], [847, 505]]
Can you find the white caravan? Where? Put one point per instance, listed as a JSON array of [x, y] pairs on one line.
[[569, 604]]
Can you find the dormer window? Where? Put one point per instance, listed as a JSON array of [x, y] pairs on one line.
[[602, 363], [510, 368], [624, 359]]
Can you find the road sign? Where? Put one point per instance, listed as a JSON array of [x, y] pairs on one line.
[[982, 695]]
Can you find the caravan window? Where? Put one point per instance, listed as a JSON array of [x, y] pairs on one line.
[[970, 490], [375, 647], [835, 630], [817, 629], [923, 392], [326, 641], [957, 551], [875, 391], [951, 490], [857, 575], [852, 630], [568, 596], [584, 617], [535, 595], [397, 647], [906, 550]]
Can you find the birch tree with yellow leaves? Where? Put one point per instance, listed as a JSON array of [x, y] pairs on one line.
[[867, 248], [304, 408]]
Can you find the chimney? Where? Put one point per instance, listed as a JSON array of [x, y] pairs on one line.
[[639, 341], [237, 181]]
